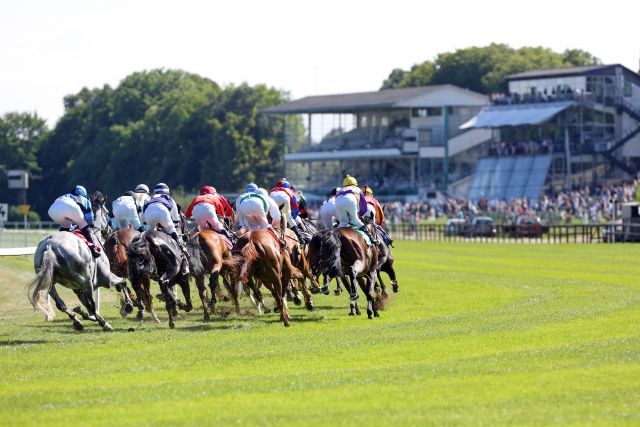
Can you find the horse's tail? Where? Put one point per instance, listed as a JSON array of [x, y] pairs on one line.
[[249, 255], [140, 260], [120, 255], [330, 241], [195, 256], [39, 287], [288, 268]]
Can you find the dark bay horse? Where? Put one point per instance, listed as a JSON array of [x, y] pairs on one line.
[[209, 254], [343, 253], [385, 264], [263, 261], [155, 255], [116, 249]]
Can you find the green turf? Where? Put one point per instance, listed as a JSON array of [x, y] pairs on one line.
[[480, 334]]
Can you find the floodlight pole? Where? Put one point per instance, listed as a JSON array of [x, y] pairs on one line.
[[446, 147]]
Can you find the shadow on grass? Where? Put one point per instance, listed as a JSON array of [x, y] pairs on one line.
[[11, 343]]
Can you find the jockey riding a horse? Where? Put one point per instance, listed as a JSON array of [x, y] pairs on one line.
[[162, 209], [328, 210], [75, 209], [127, 212], [141, 194], [350, 203], [252, 208], [206, 208], [287, 201], [375, 214]]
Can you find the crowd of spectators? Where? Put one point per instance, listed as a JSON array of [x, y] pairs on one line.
[[585, 205], [564, 93], [521, 148]]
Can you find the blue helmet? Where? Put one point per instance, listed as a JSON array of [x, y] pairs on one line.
[[284, 183], [161, 188], [251, 188], [79, 190]]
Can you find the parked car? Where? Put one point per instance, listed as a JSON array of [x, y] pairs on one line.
[[527, 226], [455, 227], [483, 226]]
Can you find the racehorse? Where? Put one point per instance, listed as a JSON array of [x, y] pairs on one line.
[[385, 264], [208, 253], [297, 254], [262, 260], [100, 215], [65, 259], [116, 249], [343, 253], [154, 254]]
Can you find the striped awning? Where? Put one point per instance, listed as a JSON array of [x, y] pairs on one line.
[[516, 115]]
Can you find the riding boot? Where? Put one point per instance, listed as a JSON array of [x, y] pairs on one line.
[[95, 249], [280, 236], [366, 231], [298, 231], [175, 237], [229, 234]]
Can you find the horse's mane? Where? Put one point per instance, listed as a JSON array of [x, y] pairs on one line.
[[98, 198]]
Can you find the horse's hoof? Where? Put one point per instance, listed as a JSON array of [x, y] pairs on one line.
[[315, 291], [337, 292], [351, 313], [377, 289], [78, 326], [207, 318], [325, 290], [396, 288], [370, 317], [92, 318], [275, 310], [354, 297], [171, 324], [140, 315], [297, 300], [309, 305], [174, 312], [188, 308], [107, 328], [128, 308], [376, 314]]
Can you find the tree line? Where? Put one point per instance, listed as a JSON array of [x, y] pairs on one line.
[[186, 130]]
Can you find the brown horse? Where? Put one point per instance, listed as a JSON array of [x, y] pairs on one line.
[[115, 247], [343, 253], [208, 253], [297, 253], [385, 264], [263, 261]]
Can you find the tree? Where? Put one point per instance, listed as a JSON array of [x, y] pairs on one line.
[[483, 69]]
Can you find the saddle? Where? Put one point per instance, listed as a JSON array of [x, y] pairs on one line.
[[78, 233], [281, 242], [366, 238]]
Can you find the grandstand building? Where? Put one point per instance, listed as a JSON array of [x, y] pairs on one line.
[[554, 129], [396, 140]]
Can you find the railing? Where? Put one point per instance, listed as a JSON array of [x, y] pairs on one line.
[[592, 233]]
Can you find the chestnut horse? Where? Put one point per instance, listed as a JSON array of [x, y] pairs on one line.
[[343, 253], [115, 247], [297, 254], [262, 260], [208, 253]]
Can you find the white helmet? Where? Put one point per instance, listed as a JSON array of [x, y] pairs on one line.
[[142, 188], [262, 191], [161, 188]]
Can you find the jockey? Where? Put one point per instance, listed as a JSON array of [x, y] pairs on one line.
[[375, 213], [141, 197], [206, 208], [286, 199], [302, 204], [75, 209], [252, 208], [349, 204], [328, 210], [162, 209], [126, 212]]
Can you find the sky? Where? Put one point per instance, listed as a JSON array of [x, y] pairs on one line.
[[49, 49]]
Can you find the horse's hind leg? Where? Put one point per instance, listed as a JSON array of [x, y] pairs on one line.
[[388, 268], [169, 301], [77, 324], [86, 298], [233, 292], [184, 286], [213, 286], [126, 303], [202, 291]]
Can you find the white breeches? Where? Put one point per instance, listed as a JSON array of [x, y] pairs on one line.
[[347, 210], [158, 214], [371, 213], [251, 214], [65, 212], [126, 215], [328, 213], [206, 217], [284, 204]]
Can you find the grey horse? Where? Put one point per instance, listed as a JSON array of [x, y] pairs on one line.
[[65, 259]]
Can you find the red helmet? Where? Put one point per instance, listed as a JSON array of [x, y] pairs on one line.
[[207, 189]]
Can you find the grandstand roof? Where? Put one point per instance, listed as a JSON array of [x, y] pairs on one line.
[[571, 71], [382, 99]]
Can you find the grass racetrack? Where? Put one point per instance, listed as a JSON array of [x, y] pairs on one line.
[[480, 334]]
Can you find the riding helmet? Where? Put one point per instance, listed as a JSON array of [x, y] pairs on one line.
[[367, 190], [142, 188], [284, 183], [349, 180], [207, 189], [79, 190], [251, 188], [161, 188]]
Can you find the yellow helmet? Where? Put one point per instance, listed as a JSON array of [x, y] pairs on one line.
[[349, 180], [367, 190]]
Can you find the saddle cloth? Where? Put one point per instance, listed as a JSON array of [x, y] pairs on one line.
[[78, 233], [366, 238]]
